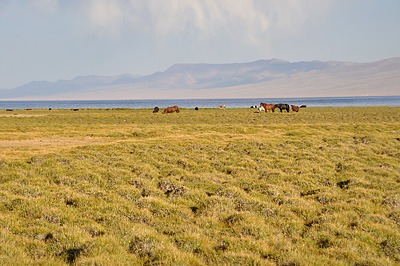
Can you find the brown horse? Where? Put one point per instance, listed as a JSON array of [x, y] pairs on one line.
[[171, 109], [222, 106], [268, 107], [295, 108]]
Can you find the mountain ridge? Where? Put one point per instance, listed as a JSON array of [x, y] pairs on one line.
[[257, 78]]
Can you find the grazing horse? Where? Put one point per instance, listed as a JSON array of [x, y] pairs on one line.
[[171, 109], [295, 108], [156, 109], [222, 106], [303, 106], [261, 108], [196, 108], [268, 107], [282, 106]]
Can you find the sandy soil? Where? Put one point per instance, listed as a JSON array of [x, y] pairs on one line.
[[22, 115], [47, 142], [23, 149]]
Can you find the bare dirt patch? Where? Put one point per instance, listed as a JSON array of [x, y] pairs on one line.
[[47, 142], [22, 115], [12, 149]]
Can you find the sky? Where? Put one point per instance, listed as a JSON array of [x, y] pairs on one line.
[[62, 39]]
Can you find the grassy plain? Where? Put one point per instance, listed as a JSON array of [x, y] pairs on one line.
[[207, 187]]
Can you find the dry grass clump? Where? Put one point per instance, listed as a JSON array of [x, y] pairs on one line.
[[207, 187]]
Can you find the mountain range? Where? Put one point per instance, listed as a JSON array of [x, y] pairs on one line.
[[259, 79]]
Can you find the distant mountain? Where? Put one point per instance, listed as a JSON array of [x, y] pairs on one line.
[[45, 88], [262, 78], [225, 75]]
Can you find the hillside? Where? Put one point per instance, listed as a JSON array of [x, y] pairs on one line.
[[262, 78]]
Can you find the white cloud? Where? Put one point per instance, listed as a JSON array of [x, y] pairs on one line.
[[106, 16], [248, 22], [245, 20], [290, 15], [207, 18]]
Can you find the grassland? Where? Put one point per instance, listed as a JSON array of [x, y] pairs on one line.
[[207, 187]]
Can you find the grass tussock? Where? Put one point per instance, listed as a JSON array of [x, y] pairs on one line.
[[207, 187]]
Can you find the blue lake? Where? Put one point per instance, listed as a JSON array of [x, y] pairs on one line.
[[207, 103]]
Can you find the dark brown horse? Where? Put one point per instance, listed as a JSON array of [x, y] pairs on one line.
[[282, 106], [171, 109], [268, 107]]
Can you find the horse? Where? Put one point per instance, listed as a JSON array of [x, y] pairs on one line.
[[156, 109], [222, 106], [268, 107], [282, 106], [261, 108], [295, 108], [171, 109]]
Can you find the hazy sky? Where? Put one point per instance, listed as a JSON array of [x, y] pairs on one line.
[[62, 39]]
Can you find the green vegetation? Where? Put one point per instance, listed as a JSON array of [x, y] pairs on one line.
[[207, 187]]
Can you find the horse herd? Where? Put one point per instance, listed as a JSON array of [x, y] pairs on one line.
[[263, 107], [281, 106]]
